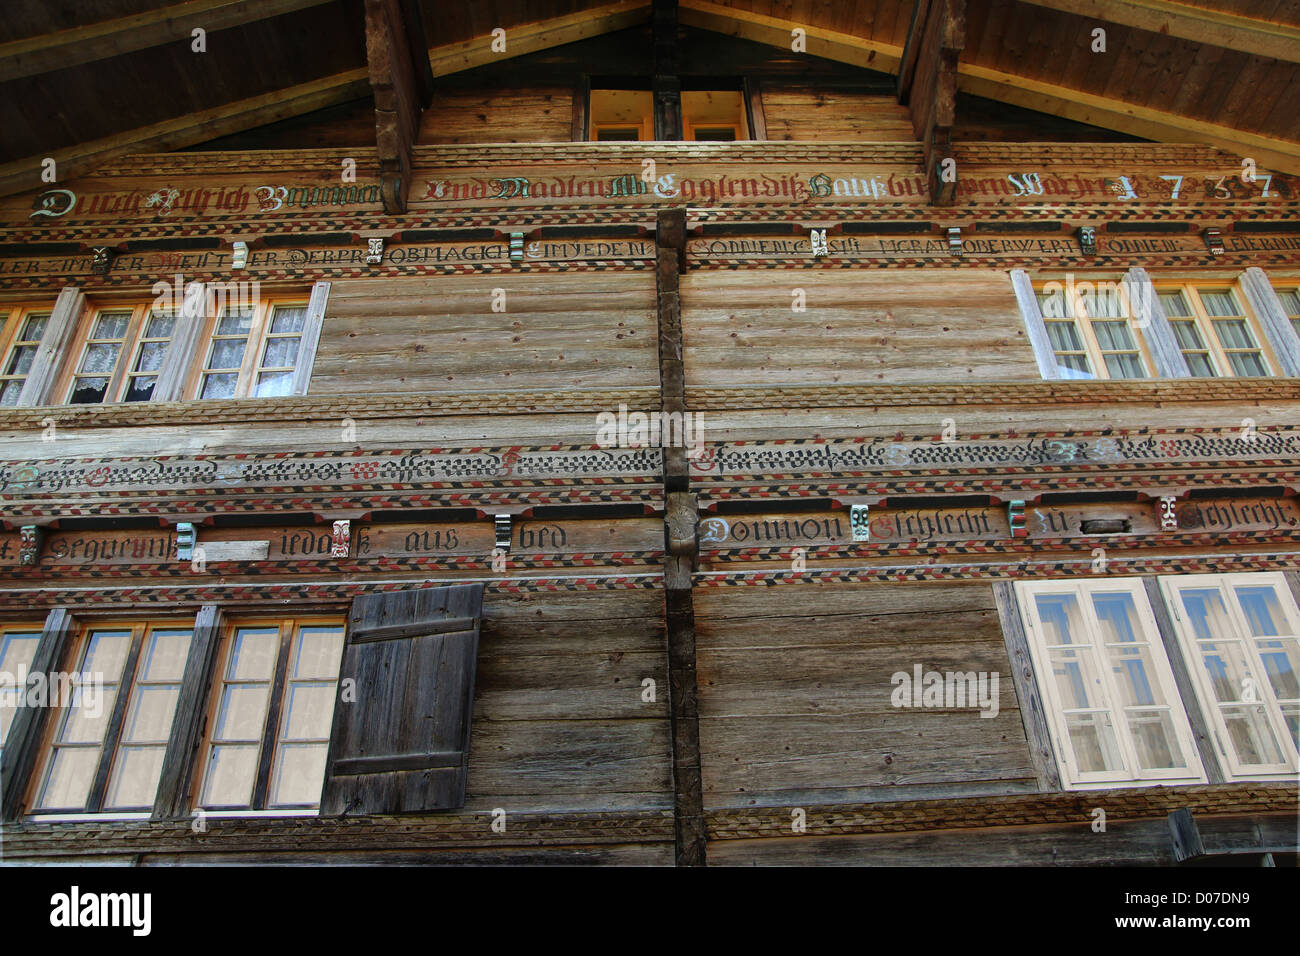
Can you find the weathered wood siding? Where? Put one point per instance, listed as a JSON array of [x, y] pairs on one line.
[[440, 334], [535, 115], [795, 695], [834, 116], [859, 328], [559, 721]]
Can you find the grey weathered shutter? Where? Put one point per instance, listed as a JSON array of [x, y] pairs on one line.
[[401, 744]]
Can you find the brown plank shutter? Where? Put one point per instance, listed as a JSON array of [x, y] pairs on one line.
[[400, 742]]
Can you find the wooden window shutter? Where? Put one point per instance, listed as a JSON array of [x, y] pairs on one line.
[[185, 348], [59, 330], [1159, 334], [1034, 325], [320, 294], [400, 742], [1273, 320]]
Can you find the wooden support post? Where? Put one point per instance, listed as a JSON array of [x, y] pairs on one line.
[[665, 84], [402, 82], [927, 80], [1186, 836], [681, 548]]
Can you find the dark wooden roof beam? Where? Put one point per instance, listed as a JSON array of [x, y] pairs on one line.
[[929, 82], [402, 83]]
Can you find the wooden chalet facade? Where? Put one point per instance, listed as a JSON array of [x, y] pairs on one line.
[[651, 433]]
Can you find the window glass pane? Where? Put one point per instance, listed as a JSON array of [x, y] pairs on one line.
[[151, 356], [160, 325], [1247, 363], [1053, 305], [1104, 302], [89, 391], [111, 325], [1219, 302], [288, 318], [99, 358], [1206, 613], [318, 653], [17, 650], [34, 328], [1198, 363], [1114, 336], [1188, 335], [1124, 365], [242, 714], [1234, 334], [299, 775], [253, 655], [140, 388], [1251, 736], [20, 363], [1061, 619], [1281, 664], [165, 655], [219, 386], [1154, 739], [1174, 303], [1093, 742], [272, 384], [1064, 336], [280, 353], [231, 774], [9, 393], [235, 323], [308, 710], [227, 353], [71, 775], [1263, 613], [134, 784]]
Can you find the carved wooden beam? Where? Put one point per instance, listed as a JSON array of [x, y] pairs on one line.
[[928, 82], [402, 83]]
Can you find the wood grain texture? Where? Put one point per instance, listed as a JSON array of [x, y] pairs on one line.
[[829, 115], [524, 115], [859, 328], [441, 335]]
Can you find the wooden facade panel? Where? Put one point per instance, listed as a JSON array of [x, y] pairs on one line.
[[441, 334], [834, 116], [1125, 843], [569, 764], [858, 328], [534, 115], [792, 707]]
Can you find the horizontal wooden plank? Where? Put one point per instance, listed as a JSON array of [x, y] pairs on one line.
[[353, 766]]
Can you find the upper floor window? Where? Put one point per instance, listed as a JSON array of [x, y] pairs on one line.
[[21, 338], [1090, 332], [119, 352], [1214, 331], [1240, 634], [271, 718], [107, 742], [1108, 689], [253, 351]]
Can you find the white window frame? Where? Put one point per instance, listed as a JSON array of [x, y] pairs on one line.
[[1170, 586], [1072, 778]]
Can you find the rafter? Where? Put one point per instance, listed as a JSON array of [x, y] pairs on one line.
[[1279, 155], [1198, 24], [140, 31], [928, 81]]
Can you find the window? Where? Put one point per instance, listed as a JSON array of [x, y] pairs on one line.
[[621, 115], [1108, 690], [253, 351], [1240, 634], [271, 716], [119, 355], [717, 115], [27, 326], [1214, 332], [1090, 332], [1291, 305], [114, 719], [17, 651]]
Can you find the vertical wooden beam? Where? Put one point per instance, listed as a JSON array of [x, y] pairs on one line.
[[681, 548], [172, 802], [1033, 712], [402, 81], [581, 127], [666, 85], [928, 83], [754, 108]]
